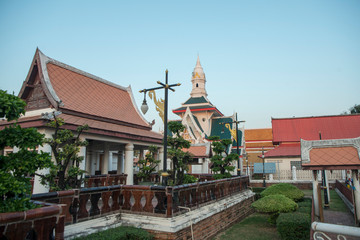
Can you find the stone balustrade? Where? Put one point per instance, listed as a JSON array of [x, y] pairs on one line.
[[87, 203]]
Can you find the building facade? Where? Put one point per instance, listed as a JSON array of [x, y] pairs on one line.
[[202, 119], [116, 127]]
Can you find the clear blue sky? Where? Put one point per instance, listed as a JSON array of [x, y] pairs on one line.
[[262, 59]]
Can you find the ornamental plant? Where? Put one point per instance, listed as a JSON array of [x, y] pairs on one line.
[[274, 205], [16, 167], [65, 144], [222, 159], [180, 159], [285, 189], [149, 164], [294, 226]]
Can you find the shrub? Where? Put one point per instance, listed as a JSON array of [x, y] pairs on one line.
[[189, 179], [120, 233], [306, 210], [15, 187], [275, 204], [293, 226], [304, 204], [285, 189]]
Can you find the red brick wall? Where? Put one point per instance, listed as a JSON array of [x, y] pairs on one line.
[[209, 227]]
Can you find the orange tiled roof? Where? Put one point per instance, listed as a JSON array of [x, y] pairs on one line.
[[258, 134], [197, 151], [333, 156], [83, 99], [86, 95]]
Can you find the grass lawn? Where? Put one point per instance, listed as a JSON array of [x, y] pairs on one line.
[[254, 227], [336, 203]]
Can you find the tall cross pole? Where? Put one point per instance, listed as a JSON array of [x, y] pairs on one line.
[[165, 86], [237, 143]]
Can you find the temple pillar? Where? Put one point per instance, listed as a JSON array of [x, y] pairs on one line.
[[82, 153], [315, 192], [356, 191], [120, 165], [105, 161], [129, 162], [38, 187]]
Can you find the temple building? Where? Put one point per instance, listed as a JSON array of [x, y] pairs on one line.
[[203, 119], [116, 127], [288, 133]]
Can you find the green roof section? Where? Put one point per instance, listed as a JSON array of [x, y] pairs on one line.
[[198, 124], [196, 100], [194, 108], [219, 129]]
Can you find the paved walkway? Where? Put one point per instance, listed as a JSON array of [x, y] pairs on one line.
[[339, 218]]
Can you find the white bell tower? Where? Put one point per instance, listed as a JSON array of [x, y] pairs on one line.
[[198, 81]]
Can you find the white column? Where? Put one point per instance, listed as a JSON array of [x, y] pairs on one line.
[[120, 164], [105, 167], [82, 153], [88, 162], [38, 187], [161, 158], [94, 162], [327, 184], [355, 178], [241, 166], [315, 195], [293, 173], [319, 176], [129, 162], [204, 166]]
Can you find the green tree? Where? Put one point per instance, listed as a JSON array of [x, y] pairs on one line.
[[149, 164], [222, 159], [355, 109], [65, 173], [179, 158], [15, 186]]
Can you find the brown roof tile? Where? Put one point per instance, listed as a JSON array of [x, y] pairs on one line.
[[258, 134], [83, 94], [197, 151], [334, 156]]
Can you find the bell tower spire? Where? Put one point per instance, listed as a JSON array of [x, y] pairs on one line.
[[198, 81]]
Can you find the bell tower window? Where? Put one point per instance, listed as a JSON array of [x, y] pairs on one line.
[[197, 85]]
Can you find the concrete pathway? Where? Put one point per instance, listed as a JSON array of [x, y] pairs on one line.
[[339, 218]]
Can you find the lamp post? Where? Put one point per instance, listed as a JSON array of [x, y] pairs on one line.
[[144, 109], [237, 143], [263, 160]]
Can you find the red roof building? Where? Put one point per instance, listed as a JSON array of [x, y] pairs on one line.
[[116, 126], [287, 133]]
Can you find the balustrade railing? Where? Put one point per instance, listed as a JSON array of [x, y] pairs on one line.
[[345, 191], [154, 178], [86, 203], [105, 180]]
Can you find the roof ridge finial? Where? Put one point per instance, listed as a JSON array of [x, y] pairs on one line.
[[198, 61]]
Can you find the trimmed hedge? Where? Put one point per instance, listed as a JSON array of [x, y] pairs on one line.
[[274, 204], [120, 233], [285, 189], [294, 226]]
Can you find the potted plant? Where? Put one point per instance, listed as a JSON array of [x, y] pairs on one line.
[[21, 218]]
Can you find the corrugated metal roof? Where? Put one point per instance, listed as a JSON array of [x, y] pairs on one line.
[[308, 128]]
